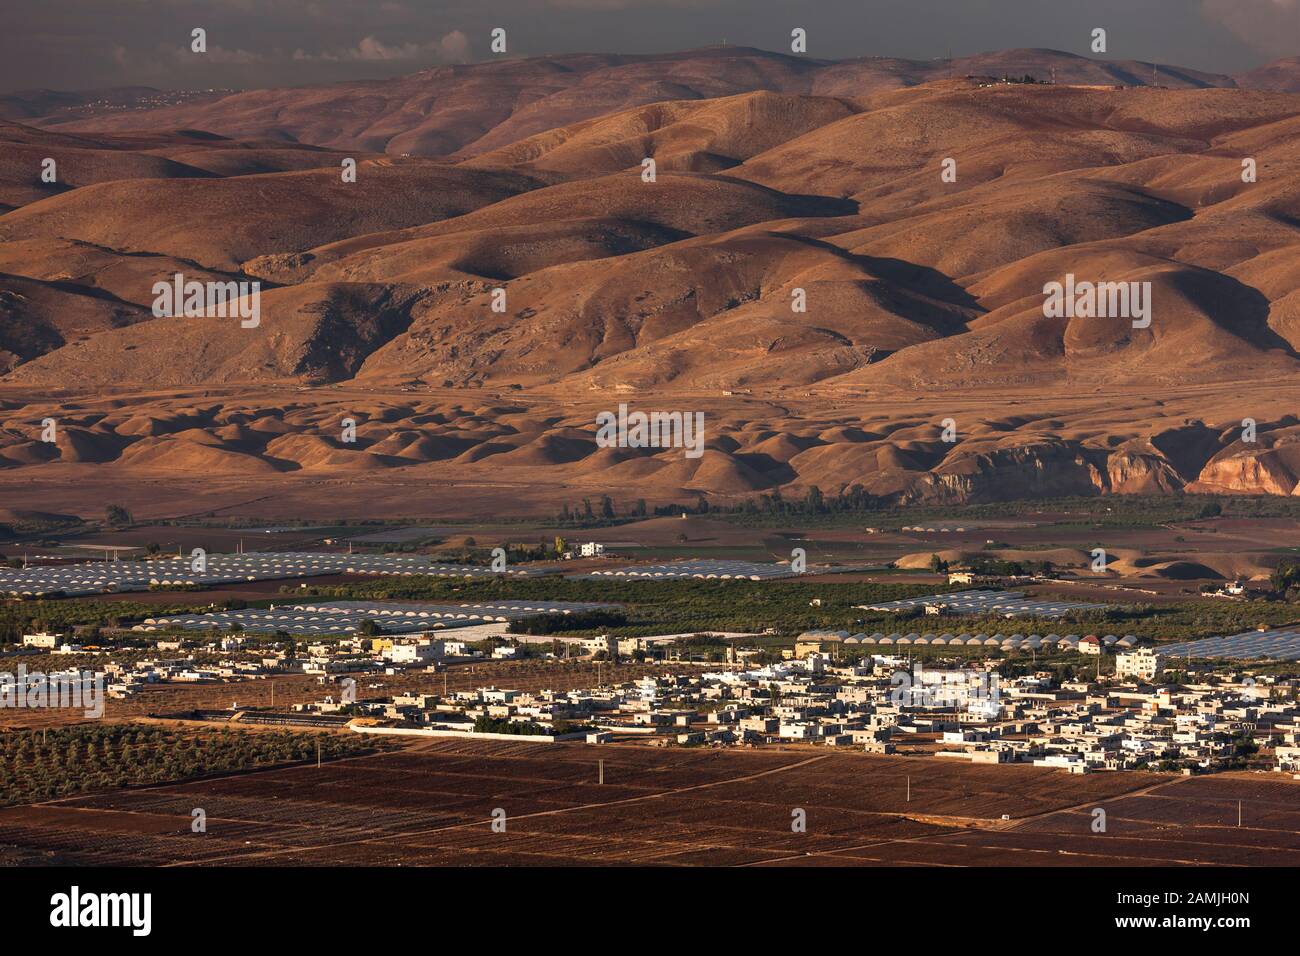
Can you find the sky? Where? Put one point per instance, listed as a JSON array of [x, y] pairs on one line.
[[87, 44]]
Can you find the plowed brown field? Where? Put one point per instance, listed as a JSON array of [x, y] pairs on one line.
[[432, 804]]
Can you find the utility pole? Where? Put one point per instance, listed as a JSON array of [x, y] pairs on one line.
[[317, 754], [1238, 813], [909, 789], [602, 776]]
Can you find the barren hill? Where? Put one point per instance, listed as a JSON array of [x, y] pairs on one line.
[[829, 260], [220, 223], [466, 110]]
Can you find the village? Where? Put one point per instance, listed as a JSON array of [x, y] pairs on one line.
[[1137, 716], [878, 705]]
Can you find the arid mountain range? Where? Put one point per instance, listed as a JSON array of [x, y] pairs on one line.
[[832, 259]]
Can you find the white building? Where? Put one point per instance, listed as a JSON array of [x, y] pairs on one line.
[[414, 653], [1071, 762], [1143, 663], [591, 549], [1288, 758]]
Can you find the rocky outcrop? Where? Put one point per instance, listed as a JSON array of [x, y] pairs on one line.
[[1270, 466]]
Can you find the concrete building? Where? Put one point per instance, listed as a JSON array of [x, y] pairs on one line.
[[1091, 645], [1143, 664], [1288, 759], [415, 652]]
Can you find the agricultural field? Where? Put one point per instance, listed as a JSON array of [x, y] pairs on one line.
[[432, 803], [1186, 822], [658, 607], [40, 764]]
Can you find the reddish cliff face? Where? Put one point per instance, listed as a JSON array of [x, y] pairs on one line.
[[1270, 467]]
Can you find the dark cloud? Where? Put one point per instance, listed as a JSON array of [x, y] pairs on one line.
[[71, 44], [1271, 26]]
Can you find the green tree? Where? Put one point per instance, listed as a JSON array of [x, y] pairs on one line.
[[117, 516], [1285, 576]]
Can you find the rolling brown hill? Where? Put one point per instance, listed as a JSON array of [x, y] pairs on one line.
[[675, 206], [220, 223], [466, 110], [82, 160], [39, 317], [1282, 75], [799, 270], [691, 136]]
